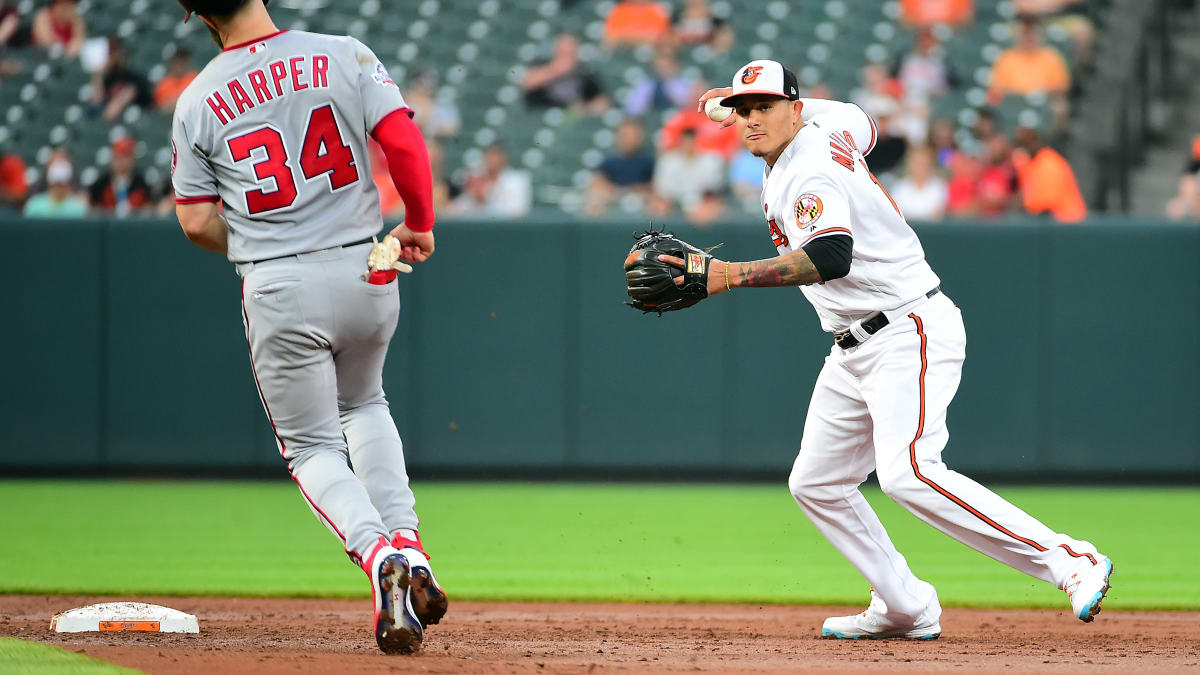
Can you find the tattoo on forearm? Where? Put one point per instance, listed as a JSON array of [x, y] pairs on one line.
[[792, 269]]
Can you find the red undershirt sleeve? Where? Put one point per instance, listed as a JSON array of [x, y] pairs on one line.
[[408, 164]]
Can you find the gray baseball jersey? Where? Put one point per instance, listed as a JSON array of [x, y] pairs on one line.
[[277, 130]]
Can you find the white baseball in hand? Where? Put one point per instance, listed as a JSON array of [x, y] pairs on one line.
[[715, 111]]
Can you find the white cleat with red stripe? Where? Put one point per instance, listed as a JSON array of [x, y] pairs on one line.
[[1087, 589], [873, 625], [397, 629]]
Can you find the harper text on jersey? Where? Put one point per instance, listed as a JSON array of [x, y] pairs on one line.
[[276, 80]]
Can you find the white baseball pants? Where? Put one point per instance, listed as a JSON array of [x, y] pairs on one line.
[[882, 405]]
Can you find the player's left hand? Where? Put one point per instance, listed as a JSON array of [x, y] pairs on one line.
[[414, 246], [716, 273], [664, 273]]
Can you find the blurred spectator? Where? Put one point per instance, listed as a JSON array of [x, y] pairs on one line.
[[877, 92], [1029, 66], [962, 192], [10, 26], [930, 12], [1194, 162], [684, 174], [435, 116], [985, 125], [941, 139], [710, 136], [116, 86], [922, 72], [880, 96], [1047, 181], [922, 194], [663, 89], [60, 23], [13, 188], [707, 211], [1186, 204], [179, 75], [122, 190], [890, 146], [636, 22], [60, 199], [819, 90], [746, 180], [998, 179], [563, 81], [695, 24], [629, 170], [444, 191], [497, 190], [1070, 16]]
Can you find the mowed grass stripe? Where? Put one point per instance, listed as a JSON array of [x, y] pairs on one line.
[[22, 657], [562, 542]]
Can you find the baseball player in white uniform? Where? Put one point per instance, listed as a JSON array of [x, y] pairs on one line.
[[880, 400], [275, 129]]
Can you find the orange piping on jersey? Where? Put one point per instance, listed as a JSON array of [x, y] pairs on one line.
[[874, 132], [827, 230], [912, 457]]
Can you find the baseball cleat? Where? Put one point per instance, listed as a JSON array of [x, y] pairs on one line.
[[429, 601], [1087, 589], [872, 625], [397, 629]]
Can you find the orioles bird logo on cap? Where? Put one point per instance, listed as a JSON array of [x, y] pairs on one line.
[[750, 74]]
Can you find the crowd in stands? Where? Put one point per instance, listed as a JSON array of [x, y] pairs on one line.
[[666, 159]]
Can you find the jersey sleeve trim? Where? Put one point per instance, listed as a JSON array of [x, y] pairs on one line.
[[826, 232], [406, 110], [203, 199], [247, 43], [874, 130]]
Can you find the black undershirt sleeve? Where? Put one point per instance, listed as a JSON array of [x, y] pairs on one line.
[[830, 255]]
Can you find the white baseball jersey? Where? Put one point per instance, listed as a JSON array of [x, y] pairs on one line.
[[277, 130], [820, 186]]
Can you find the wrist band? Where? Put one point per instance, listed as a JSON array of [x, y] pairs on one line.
[[727, 276]]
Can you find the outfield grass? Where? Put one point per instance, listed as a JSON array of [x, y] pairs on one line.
[[652, 543], [33, 658]]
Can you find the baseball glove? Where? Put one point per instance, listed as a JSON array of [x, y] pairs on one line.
[[384, 261], [650, 282]]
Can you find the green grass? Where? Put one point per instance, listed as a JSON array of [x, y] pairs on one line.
[[651, 543], [33, 658]]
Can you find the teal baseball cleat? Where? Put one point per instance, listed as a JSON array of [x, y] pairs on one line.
[[1087, 589]]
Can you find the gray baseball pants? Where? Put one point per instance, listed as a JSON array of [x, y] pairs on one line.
[[318, 336]]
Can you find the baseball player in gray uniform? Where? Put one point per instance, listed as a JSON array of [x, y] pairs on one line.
[[271, 168]]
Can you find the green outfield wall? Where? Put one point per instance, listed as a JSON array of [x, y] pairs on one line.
[[515, 355]]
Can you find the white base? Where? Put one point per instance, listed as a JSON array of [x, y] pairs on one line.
[[115, 617]]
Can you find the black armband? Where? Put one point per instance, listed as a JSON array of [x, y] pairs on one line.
[[830, 255]]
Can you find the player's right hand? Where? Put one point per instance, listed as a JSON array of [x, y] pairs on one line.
[[719, 92], [414, 246]]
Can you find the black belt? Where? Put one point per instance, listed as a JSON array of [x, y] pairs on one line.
[[368, 240], [871, 326]]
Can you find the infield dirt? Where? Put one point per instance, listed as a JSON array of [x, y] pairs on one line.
[[242, 635]]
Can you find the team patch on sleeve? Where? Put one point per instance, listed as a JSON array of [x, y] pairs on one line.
[[382, 78], [808, 209]]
